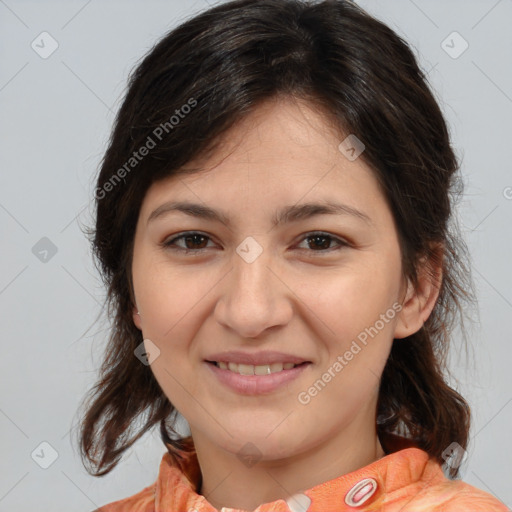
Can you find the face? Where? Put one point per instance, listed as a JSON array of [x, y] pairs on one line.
[[274, 333]]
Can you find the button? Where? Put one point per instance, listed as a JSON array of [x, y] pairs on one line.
[[361, 492], [298, 502]]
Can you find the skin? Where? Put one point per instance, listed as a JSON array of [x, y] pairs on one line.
[[298, 297]]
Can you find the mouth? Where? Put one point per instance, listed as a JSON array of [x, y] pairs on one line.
[[249, 369], [263, 378]]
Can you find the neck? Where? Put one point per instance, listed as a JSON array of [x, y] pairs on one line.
[[227, 482]]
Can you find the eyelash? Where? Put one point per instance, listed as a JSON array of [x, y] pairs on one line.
[[170, 244]]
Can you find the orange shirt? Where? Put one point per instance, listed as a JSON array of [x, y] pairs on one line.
[[403, 481]]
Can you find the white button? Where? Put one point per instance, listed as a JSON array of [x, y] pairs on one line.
[[298, 503], [361, 492]]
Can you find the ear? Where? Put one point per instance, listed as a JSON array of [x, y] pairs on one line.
[[419, 303], [136, 318]]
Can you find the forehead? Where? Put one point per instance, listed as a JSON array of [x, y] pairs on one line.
[[284, 152], [280, 127]]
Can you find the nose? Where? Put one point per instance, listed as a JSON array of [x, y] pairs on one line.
[[254, 297]]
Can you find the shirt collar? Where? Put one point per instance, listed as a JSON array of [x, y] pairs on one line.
[[363, 489]]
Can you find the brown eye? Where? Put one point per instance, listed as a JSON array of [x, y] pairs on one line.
[[195, 242], [321, 242], [192, 242]]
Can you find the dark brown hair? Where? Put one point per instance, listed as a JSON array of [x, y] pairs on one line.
[[198, 81]]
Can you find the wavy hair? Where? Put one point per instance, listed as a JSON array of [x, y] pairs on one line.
[[221, 64]]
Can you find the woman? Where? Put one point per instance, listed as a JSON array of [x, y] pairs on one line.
[[274, 229]]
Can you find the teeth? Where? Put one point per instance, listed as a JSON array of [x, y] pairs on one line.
[[245, 369], [263, 369], [249, 369]]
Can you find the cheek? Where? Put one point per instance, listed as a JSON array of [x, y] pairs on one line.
[[352, 301], [168, 296], [359, 308], [173, 305], [170, 305]]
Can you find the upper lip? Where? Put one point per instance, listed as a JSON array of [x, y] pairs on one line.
[[256, 358]]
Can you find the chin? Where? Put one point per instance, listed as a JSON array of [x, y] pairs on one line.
[[262, 443]]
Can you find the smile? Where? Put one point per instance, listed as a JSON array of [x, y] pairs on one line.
[[257, 379], [249, 369]]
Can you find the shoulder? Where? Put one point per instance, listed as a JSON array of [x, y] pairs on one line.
[[143, 501], [172, 487], [436, 493], [458, 497]]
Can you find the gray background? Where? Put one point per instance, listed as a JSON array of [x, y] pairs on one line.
[[55, 117]]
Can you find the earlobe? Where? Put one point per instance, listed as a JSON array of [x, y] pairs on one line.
[[419, 303], [136, 318]]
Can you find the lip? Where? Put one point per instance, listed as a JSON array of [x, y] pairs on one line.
[[256, 358], [256, 384]]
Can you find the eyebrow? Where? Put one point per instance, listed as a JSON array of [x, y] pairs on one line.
[[288, 214]]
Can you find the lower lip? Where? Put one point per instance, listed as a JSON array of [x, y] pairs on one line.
[[256, 384]]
